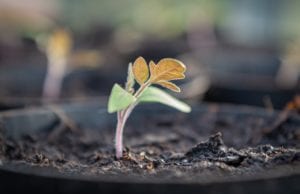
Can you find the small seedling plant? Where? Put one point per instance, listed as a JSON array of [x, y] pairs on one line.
[[62, 59], [58, 49], [124, 100]]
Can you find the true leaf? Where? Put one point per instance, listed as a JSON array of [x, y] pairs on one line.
[[167, 69], [119, 99], [153, 94], [169, 85], [140, 70]]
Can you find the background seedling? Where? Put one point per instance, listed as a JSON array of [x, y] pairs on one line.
[[124, 100], [58, 47]]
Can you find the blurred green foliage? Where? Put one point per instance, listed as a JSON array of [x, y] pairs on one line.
[[160, 17]]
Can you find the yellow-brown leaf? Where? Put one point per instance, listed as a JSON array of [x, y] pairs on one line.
[[152, 68], [59, 43], [167, 69], [169, 85], [140, 70]]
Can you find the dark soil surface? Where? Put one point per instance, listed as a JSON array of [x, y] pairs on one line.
[[209, 148]]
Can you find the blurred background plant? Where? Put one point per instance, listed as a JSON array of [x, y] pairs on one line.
[[237, 51]]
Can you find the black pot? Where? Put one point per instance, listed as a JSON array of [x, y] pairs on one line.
[[22, 178]]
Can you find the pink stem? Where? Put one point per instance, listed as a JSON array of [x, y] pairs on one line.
[[119, 137], [52, 86], [54, 78], [122, 118]]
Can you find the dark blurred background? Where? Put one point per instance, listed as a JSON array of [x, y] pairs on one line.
[[236, 51]]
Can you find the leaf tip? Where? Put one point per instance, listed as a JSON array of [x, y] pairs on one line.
[[140, 58], [188, 109]]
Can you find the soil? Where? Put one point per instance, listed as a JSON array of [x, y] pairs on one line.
[[210, 147]]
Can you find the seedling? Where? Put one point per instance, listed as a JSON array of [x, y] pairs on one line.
[[58, 49], [62, 59], [124, 100]]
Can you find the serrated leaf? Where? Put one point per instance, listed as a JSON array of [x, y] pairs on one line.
[[166, 70], [140, 70], [169, 85], [119, 99], [153, 94], [130, 79]]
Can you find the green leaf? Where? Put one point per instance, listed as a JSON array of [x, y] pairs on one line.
[[119, 99], [153, 94], [130, 79]]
